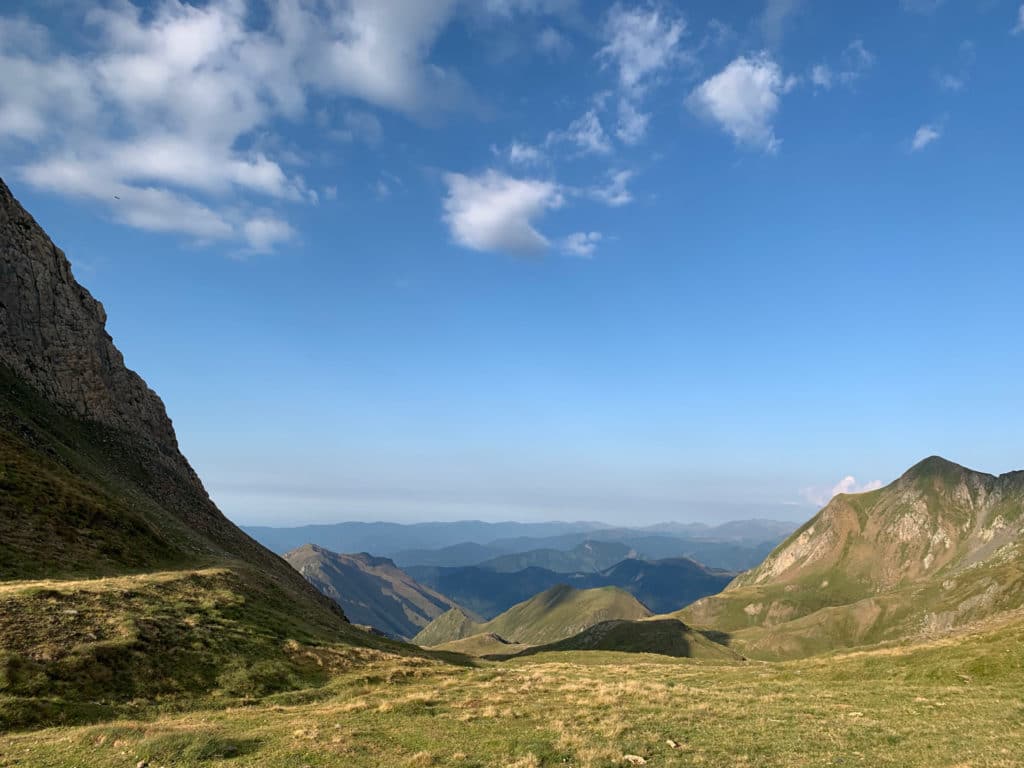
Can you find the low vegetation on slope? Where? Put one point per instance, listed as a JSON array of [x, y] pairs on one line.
[[87, 649], [947, 704], [552, 615], [372, 590], [484, 644]]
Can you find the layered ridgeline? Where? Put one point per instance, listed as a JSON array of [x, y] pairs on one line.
[[939, 548], [371, 590], [661, 585], [554, 614], [92, 484]]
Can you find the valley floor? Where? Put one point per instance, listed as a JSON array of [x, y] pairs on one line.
[[954, 702]]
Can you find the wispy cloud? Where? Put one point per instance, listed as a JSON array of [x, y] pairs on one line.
[[774, 18], [166, 110], [854, 62], [925, 135], [615, 192], [586, 133], [641, 43], [821, 495], [581, 244]]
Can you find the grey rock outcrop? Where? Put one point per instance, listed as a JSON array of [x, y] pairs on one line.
[[53, 336]]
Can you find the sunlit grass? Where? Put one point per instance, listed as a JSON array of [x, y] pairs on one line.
[[958, 702]]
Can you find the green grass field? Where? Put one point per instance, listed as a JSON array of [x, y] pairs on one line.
[[957, 702]]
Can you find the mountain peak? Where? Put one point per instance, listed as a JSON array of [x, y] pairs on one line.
[[937, 467]]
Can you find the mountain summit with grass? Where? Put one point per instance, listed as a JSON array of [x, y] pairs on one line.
[[938, 548]]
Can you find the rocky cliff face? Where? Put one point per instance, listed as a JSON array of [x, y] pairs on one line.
[[91, 478], [53, 337]]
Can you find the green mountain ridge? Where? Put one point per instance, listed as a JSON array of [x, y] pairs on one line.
[[555, 614], [938, 548]]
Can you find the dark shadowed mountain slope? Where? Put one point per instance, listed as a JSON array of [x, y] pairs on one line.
[[372, 590], [940, 547], [663, 636], [664, 585]]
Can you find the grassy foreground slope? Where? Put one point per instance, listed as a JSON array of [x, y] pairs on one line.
[[952, 703], [554, 614]]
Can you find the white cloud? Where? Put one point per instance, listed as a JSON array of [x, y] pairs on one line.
[[924, 136], [581, 244], [632, 125], [641, 43], [495, 212], [821, 495], [552, 42], [1019, 28], [170, 102], [744, 99], [857, 57], [265, 232], [950, 82], [586, 132], [519, 153], [615, 193], [821, 76]]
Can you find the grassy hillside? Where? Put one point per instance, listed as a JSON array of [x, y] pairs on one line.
[[484, 644], [552, 615], [372, 590], [945, 704], [939, 548]]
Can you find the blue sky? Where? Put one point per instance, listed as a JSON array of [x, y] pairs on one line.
[[529, 259]]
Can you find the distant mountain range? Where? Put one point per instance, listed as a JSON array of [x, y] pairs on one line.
[[937, 549], [555, 614], [730, 546], [662, 585]]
